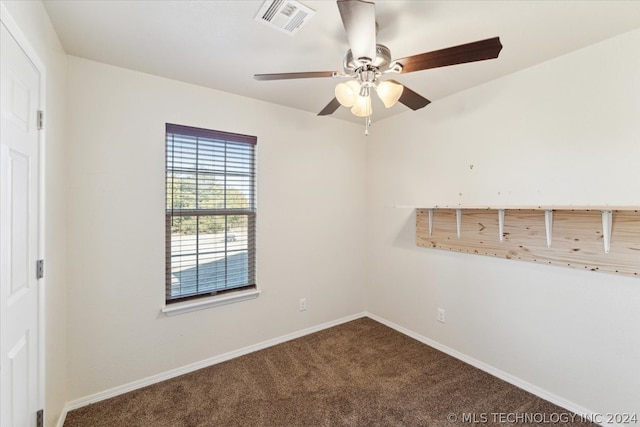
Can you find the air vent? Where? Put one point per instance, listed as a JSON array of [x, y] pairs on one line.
[[287, 16]]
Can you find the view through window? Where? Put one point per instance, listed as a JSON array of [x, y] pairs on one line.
[[210, 212]]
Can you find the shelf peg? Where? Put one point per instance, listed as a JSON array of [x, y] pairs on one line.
[[501, 224], [430, 222], [548, 225], [607, 222], [458, 221]]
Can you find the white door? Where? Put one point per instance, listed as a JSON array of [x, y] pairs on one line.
[[19, 213]]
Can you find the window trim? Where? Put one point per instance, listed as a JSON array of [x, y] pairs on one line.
[[201, 302], [212, 298]]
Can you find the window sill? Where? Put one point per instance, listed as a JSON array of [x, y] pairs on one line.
[[189, 306]]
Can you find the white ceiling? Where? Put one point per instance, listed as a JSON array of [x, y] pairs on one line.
[[218, 44]]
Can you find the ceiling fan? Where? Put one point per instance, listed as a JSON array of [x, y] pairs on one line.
[[367, 62]]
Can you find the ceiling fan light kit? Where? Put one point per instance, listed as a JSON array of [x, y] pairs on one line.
[[356, 94], [366, 62], [362, 106], [389, 92], [346, 93]]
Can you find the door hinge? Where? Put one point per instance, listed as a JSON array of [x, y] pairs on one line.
[[40, 119], [40, 269], [40, 418]]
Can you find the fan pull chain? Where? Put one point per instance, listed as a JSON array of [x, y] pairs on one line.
[[367, 124]]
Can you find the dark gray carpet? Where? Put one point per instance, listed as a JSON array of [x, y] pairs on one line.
[[361, 373]]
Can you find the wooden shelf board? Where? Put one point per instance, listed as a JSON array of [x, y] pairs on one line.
[[539, 208], [578, 239]]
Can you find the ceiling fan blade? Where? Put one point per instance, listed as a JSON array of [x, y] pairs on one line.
[[470, 52], [330, 108], [286, 76], [359, 20], [411, 99]]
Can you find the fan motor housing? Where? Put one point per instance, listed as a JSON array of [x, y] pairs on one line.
[[380, 62]]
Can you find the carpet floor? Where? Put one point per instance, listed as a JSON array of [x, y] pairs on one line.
[[360, 373]]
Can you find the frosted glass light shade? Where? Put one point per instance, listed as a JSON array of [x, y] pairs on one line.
[[362, 106], [389, 92], [346, 93]]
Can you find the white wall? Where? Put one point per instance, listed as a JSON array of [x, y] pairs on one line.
[[311, 230], [563, 132], [33, 21]]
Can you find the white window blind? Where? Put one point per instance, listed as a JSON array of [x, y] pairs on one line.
[[210, 212]]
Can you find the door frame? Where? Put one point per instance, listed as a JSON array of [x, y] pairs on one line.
[[12, 27]]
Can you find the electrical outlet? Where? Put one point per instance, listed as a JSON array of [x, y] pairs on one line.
[[441, 315], [303, 304]]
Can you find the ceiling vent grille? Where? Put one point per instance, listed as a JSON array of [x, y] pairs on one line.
[[287, 16]]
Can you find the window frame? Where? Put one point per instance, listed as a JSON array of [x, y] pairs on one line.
[[223, 295]]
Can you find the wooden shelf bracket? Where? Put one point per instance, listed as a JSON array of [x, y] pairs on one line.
[[430, 222], [548, 225], [607, 222]]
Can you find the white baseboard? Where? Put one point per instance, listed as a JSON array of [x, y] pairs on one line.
[[62, 417], [97, 397], [544, 394]]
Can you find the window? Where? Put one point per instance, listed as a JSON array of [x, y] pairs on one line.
[[210, 212]]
